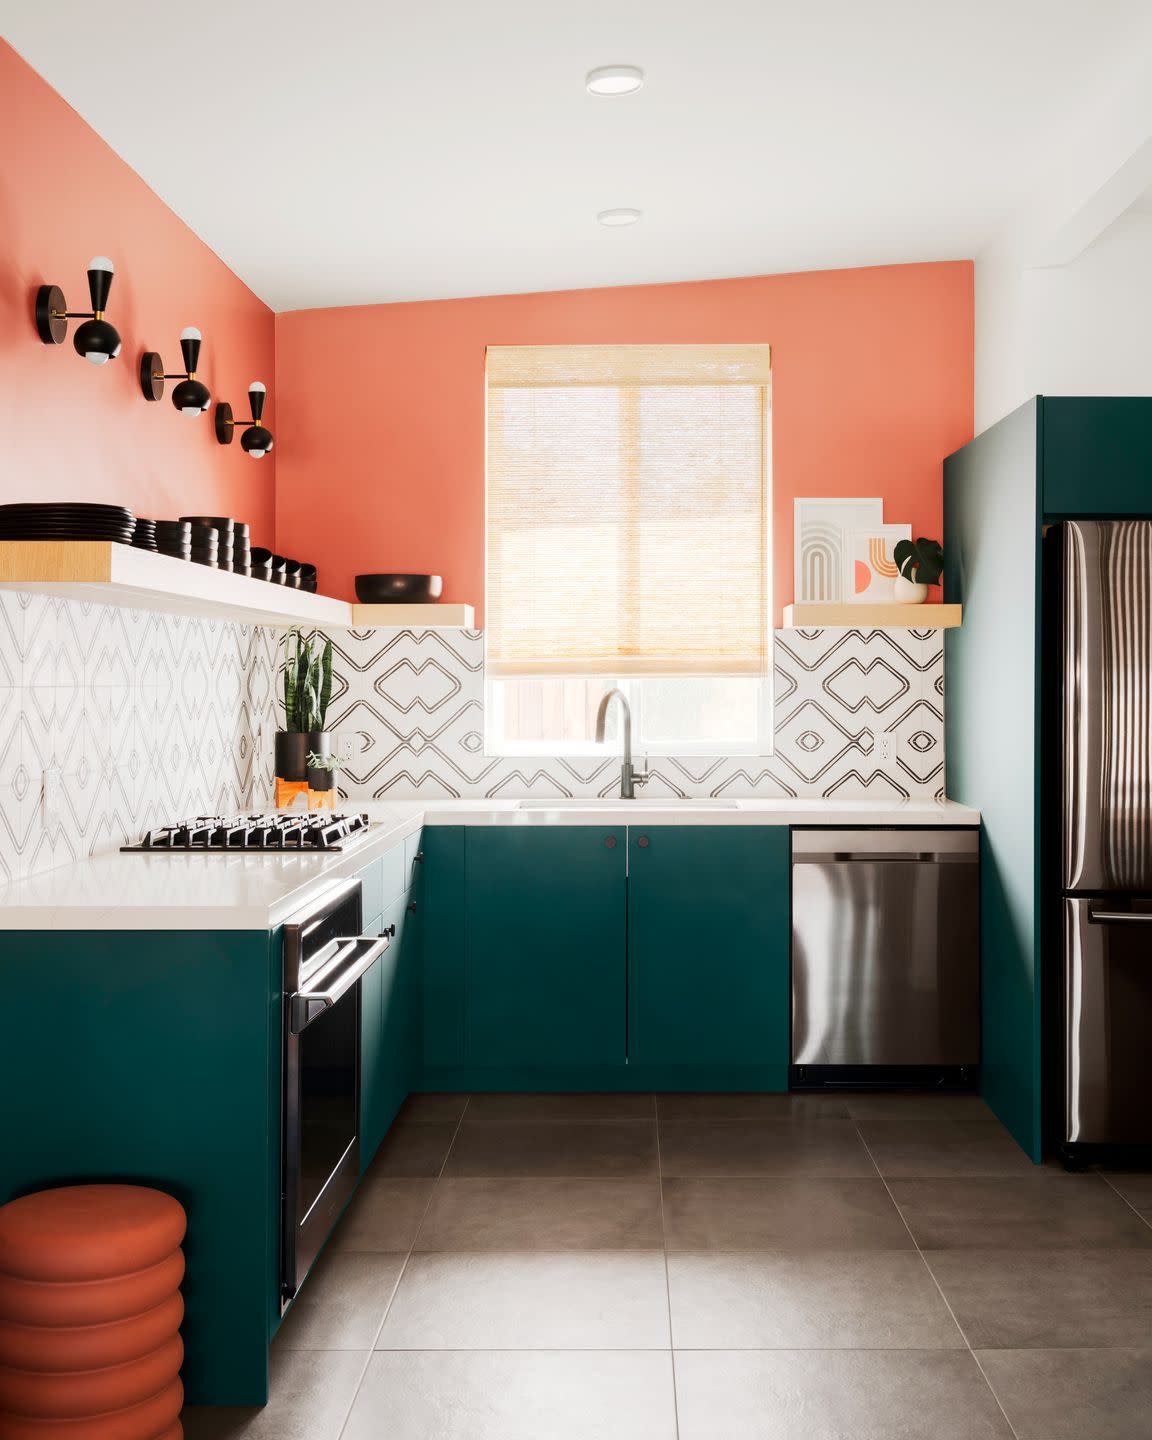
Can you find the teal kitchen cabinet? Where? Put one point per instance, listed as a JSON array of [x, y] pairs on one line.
[[389, 1002], [708, 947], [545, 923]]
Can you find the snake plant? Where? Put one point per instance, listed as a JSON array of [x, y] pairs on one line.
[[307, 683]]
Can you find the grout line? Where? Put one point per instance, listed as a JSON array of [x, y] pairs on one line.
[[932, 1277], [667, 1279], [1118, 1192], [403, 1271]]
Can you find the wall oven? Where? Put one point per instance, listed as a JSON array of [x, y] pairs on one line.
[[325, 959]]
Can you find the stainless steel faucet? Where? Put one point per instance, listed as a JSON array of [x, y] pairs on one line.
[[630, 777]]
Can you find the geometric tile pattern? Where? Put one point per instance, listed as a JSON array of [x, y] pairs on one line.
[[857, 713], [145, 717], [150, 717]]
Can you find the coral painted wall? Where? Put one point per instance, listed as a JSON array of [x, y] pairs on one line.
[[381, 435], [70, 430]]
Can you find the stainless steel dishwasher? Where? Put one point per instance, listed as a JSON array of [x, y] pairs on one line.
[[885, 956]]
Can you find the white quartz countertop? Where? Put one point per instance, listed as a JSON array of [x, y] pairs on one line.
[[135, 891]]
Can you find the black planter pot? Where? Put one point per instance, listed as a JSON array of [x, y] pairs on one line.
[[321, 779], [292, 749]]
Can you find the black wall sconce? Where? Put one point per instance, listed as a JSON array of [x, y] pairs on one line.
[[191, 396], [257, 438], [96, 340]]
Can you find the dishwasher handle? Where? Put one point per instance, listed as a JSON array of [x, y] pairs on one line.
[[866, 857], [354, 956]]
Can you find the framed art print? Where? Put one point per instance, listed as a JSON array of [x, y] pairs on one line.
[[869, 569], [822, 527]]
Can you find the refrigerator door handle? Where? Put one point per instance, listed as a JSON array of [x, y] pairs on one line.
[[1121, 917]]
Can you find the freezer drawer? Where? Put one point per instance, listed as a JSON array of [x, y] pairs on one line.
[[1107, 1012], [885, 948]]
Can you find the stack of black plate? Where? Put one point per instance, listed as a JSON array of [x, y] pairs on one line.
[[206, 546], [292, 574], [308, 577], [174, 537], [72, 520], [277, 566], [241, 549], [144, 535], [260, 562]]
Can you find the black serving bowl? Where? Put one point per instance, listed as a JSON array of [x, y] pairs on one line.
[[399, 589]]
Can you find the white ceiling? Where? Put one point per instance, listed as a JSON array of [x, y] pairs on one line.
[[343, 151]]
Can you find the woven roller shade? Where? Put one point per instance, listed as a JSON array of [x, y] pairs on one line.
[[628, 506]]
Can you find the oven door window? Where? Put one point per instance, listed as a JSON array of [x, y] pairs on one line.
[[329, 1102]]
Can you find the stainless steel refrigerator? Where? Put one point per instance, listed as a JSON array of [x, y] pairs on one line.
[[1099, 633]]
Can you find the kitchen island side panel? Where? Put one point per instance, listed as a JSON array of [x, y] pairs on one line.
[[991, 546], [147, 1057]]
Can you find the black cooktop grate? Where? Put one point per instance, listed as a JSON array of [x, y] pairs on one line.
[[220, 834]]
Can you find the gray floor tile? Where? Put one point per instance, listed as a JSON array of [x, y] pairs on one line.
[[1052, 1211], [509, 1395], [342, 1302], [822, 1148], [311, 1394], [1073, 1394], [968, 1108], [610, 1300], [1048, 1299], [815, 1299], [1136, 1188], [612, 1106], [835, 1395], [941, 1146], [675, 1109], [412, 1150], [542, 1214], [384, 1215], [595, 1149], [431, 1107], [782, 1215]]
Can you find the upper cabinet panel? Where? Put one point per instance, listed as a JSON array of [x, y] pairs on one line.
[[1097, 456]]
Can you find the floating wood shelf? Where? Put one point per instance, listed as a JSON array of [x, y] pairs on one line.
[[112, 574], [813, 615]]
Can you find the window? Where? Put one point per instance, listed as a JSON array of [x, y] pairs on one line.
[[628, 543]]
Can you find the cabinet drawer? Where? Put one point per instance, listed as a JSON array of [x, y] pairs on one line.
[[384, 880]]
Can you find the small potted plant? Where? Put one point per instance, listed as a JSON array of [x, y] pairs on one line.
[[321, 770], [920, 563], [307, 695]]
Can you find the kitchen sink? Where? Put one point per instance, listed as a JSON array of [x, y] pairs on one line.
[[613, 802]]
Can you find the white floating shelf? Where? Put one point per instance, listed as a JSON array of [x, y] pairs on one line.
[[113, 574], [813, 615]]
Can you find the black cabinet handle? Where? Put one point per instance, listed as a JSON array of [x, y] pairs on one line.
[[412, 907], [389, 932], [610, 842], [419, 857], [643, 842]]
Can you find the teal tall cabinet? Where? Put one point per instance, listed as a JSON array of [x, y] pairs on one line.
[[1054, 458]]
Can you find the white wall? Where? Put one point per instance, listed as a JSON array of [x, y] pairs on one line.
[[1084, 328]]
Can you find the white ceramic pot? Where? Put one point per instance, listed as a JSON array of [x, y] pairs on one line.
[[908, 592]]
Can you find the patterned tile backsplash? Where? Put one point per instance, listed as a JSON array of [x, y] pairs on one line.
[[147, 717], [143, 716], [858, 712]]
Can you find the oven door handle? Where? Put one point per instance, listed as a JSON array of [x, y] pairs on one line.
[[355, 955]]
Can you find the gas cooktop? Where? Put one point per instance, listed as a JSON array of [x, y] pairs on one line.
[[212, 833]]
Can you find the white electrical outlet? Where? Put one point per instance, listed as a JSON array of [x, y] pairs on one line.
[[347, 744], [884, 746], [50, 796]]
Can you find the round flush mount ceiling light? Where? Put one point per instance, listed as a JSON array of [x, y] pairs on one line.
[[614, 80], [624, 215]]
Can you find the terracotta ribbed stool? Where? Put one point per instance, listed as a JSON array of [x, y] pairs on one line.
[[90, 1314]]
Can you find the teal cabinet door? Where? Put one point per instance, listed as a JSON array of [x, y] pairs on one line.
[[545, 964], [708, 946], [1097, 455], [372, 1123]]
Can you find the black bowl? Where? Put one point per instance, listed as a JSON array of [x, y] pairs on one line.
[[213, 522], [399, 589]]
